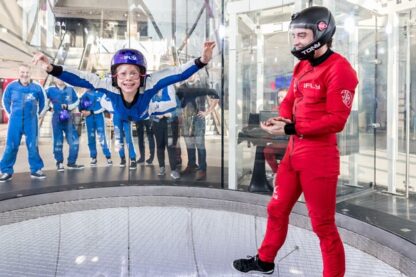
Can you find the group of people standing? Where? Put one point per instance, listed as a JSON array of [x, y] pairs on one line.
[[26, 103]]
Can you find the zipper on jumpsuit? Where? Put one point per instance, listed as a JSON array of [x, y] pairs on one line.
[[294, 112], [23, 116]]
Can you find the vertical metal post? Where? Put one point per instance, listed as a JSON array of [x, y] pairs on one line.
[[232, 91], [407, 180], [375, 107], [392, 100], [260, 70], [222, 99]]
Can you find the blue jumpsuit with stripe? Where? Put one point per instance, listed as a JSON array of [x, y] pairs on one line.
[[95, 123], [122, 130], [138, 110], [57, 97], [23, 105]]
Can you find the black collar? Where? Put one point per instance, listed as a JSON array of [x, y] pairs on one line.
[[321, 59], [127, 104]]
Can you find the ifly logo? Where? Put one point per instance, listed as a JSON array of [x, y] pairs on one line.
[[312, 48], [311, 86], [130, 57]]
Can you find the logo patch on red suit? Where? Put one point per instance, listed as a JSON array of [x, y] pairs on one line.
[[322, 26], [346, 98]]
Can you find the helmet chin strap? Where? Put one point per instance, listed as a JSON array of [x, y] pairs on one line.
[[309, 56]]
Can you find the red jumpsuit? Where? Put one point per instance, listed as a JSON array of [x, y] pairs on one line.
[[318, 102]]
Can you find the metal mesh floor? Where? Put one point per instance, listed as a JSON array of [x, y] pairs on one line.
[[158, 241]]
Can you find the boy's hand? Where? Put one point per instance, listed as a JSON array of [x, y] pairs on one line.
[[207, 51], [40, 58]]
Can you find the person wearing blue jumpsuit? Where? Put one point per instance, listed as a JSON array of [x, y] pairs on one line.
[[94, 119], [23, 101], [122, 130], [62, 97], [129, 90]]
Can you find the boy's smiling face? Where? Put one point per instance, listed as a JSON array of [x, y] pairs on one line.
[[128, 79]]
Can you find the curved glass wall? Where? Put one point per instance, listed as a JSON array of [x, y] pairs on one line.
[[251, 66]]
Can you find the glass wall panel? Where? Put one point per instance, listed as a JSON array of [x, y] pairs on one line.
[[260, 53], [80, 35], [406, 126], [357, 38]]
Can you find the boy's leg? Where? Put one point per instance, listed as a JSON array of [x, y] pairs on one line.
[[90, 122], [73, 142], [102, 138]]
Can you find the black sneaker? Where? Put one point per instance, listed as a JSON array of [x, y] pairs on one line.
[[75, 166], [38, 175], [6, 177], [109, 162], [93, 162], [149, 161], [141, 160], [133, 165], [123, 162], [60, 166], [253, 265]]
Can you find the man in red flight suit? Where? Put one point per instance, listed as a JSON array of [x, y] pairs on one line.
[[316, 108]]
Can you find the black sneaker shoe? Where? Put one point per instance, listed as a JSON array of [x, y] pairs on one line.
[[75, 166], [149, 161], [133, 165], [60, 166], [141, 160], [93, 162], [6, 177], [38, 175], [253, 265], [123, 162]]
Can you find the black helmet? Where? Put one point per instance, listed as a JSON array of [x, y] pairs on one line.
[[322, 24]]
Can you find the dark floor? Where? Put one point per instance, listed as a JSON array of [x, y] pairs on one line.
[[388, 212], [91, 177]]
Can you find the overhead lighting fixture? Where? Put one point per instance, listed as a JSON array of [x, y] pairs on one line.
[[80, 259], [349, 24], [388, 29]]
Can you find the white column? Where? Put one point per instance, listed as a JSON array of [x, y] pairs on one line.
[[260, 72], [232, 91], [353, 59], [392, 99]]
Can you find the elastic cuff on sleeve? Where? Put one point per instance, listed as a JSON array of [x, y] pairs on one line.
[[56, 70], [198, 63], [290, 129]]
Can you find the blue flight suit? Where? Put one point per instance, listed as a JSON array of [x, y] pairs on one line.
[[95, 123], [137, 110], [23, 105], [58, 97], [122, 129]]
